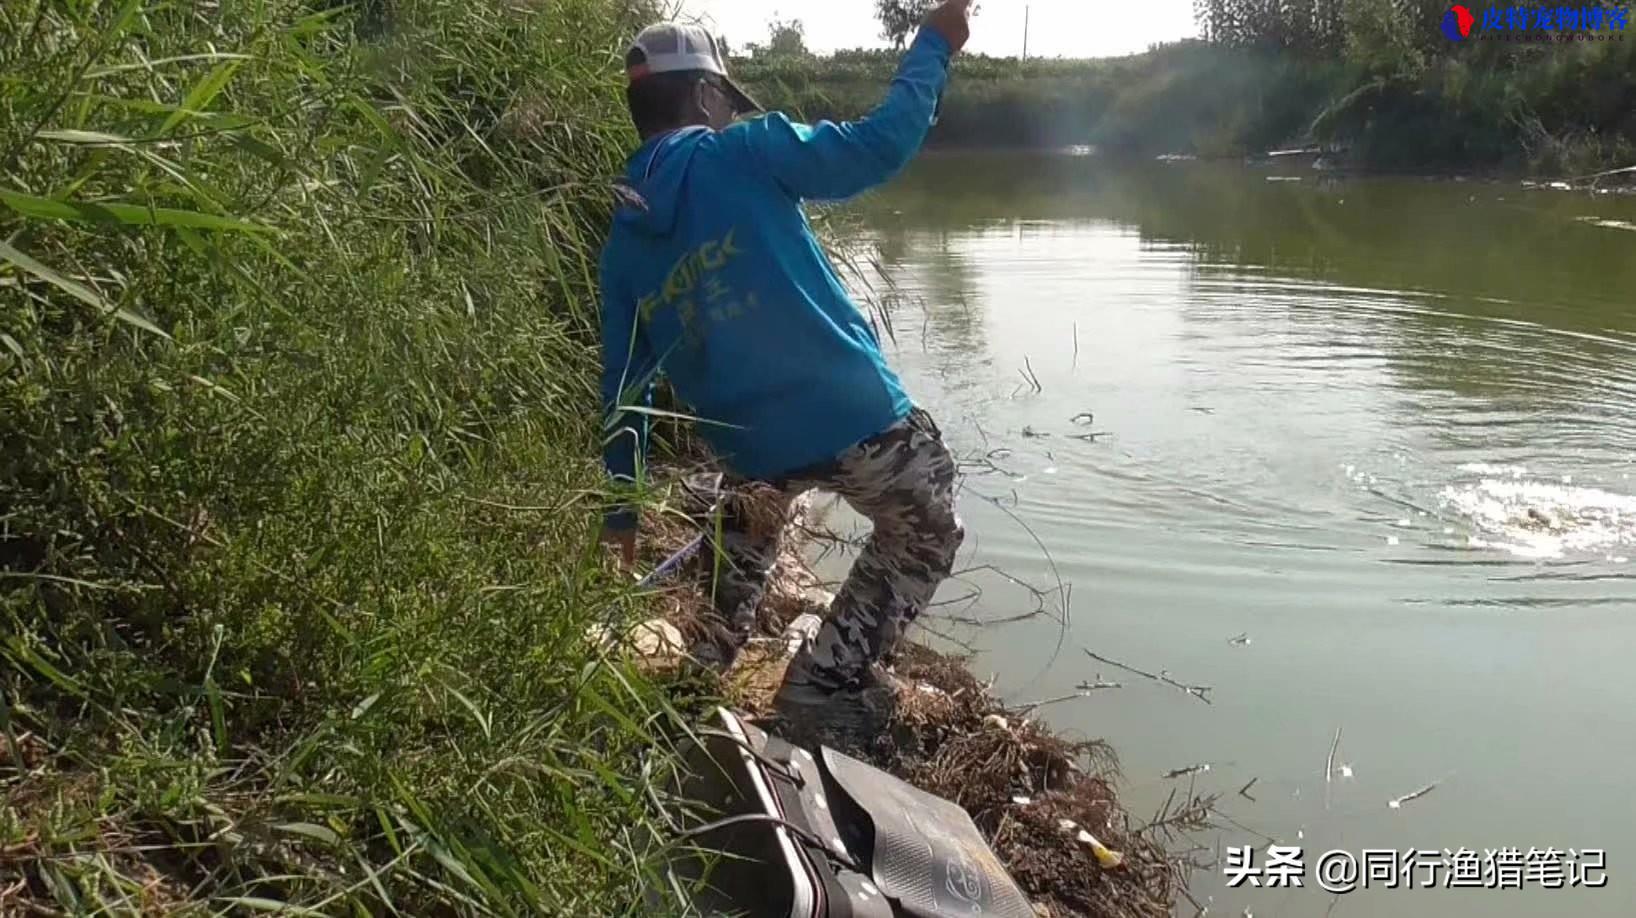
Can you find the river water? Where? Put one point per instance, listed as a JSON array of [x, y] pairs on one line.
[[1367, 465]]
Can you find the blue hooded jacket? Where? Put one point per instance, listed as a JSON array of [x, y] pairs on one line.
[[715, 275]]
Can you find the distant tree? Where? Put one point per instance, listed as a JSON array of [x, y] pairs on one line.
[[786, 37], [900, 17], [1306, 27]]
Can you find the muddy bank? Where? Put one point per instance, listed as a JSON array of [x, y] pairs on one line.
[[1045, 804]]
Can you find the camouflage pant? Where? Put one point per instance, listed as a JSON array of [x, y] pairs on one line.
[[902, 480]]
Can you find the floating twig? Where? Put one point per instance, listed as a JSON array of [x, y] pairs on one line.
[[980, 431], [965, 645], [1201, 692], [1091, 437], [1193, 813], [1244, 828], [1040, 596], [1084, 417], [1397, 802], [1594, 178], [1065, 593], [1085, 691], [1242, 639], [1200, 768], [985, 465], [1076, 346], [1245, 790], [1329, 765], [1030, 377]]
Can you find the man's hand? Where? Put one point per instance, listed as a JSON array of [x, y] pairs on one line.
[[952, 20], [624, 541]]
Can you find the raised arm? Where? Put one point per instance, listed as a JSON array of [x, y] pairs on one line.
[[829, 160]]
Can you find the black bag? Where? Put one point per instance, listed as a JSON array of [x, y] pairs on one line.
[[826, 836]]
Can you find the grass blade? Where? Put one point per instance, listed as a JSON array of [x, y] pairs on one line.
[[310, 830], [77, 290], [22, 653], [150, 65], [202, 94], [259, 904], [40, 208]]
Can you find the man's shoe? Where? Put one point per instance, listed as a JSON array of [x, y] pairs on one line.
[[846, 718]]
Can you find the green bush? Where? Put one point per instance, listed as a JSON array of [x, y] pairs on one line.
[[297, 361]]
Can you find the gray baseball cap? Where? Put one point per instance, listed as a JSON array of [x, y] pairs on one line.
[[670, 47]]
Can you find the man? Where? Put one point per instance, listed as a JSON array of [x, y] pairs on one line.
[[713, 272]]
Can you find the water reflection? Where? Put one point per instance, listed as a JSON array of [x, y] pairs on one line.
[[1385, 427]]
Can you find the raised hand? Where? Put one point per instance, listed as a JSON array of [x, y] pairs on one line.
[[952, 20]]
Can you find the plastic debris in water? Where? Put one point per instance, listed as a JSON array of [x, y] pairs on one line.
[[1021, 800], [1391, 540], [995, 720], [1240, 640], [1105, 856], [1189, 770]]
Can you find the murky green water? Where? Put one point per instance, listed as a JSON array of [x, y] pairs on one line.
[[1384, 429]]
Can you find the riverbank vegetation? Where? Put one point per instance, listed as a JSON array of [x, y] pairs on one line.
[[297, 528], [301, 605], [1377, 78]]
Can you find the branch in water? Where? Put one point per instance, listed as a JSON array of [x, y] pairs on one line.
[[1397, 802], [1030, 377], [1201, 692], [1085, 691]]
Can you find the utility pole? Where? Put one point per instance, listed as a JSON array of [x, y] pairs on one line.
[[1026, 10]]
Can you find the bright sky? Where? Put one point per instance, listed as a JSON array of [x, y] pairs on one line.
[[1056, 28]]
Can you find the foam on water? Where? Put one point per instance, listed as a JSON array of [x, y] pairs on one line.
[[1541, 519], [1486, 468]]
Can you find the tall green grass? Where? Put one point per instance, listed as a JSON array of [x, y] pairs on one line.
[[297, 500]]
